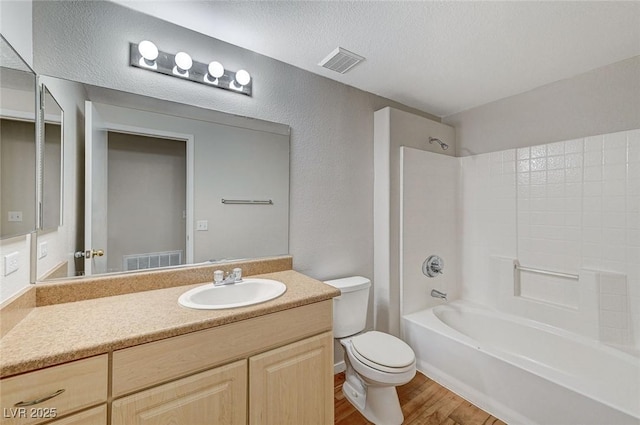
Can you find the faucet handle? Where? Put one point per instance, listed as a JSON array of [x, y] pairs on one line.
[[237, 274], [218, 276], [433, 266]]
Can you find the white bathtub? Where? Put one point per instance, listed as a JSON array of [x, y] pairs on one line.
[[522, 371]]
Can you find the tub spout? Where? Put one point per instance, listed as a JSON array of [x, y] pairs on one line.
[[437, 294]]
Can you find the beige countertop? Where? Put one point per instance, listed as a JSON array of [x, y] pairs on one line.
[[59, 333]]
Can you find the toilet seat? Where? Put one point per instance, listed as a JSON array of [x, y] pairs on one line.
[[383, 352]]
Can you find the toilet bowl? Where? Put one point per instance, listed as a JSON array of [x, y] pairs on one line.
[[373, 372], [376, 362]]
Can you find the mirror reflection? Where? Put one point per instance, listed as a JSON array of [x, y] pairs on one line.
[[51, 162], [156, 174], [17, 144]]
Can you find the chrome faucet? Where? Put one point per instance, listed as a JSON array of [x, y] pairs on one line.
[[437, 294], [234, 276]]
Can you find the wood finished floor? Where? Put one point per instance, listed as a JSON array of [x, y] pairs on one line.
[[423, 401]]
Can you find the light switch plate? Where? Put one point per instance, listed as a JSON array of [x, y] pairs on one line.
[[43, 250], [11, 263], [15, 216]]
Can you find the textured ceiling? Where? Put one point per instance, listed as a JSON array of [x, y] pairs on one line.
[[439, 57]]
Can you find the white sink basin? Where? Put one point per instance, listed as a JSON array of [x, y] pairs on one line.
[[248, 292]]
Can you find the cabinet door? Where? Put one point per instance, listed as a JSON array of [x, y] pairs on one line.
[[95, 416], [217, 396], [293, 384]]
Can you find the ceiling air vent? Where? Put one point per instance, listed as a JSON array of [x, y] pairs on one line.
[[341, 60]]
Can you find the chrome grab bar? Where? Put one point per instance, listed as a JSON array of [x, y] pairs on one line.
[[546, 272], [247, 201]]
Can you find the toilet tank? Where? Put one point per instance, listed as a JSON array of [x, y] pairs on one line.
[[350, 308]]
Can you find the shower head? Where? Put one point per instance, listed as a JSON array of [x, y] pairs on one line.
[[442, 144]]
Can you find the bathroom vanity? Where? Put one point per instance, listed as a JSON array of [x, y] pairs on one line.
[[141, 358]]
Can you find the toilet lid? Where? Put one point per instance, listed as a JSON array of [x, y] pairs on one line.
[[383, 349]]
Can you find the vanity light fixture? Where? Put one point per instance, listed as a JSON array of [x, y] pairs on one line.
[[146, 55]]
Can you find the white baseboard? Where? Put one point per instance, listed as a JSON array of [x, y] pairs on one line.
[[339, 367]]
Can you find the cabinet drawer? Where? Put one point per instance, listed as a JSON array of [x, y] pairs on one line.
[[84, 383], [149, 364], [217, 396]]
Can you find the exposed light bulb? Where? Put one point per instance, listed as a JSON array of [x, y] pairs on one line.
[[216, 69], [183, 61], [148, 50], [243, 77]]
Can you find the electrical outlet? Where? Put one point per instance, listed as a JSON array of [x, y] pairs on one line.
[[202, 225], [44, 250], [15, 215], [11, 263]]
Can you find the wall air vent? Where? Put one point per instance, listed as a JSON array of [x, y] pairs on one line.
[[151, 260], [341, 60]]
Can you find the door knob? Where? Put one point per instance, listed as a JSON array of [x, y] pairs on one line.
[[89, 253]]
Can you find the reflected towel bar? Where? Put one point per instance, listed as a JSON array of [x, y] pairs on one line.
[[247, 201], [546, 272]]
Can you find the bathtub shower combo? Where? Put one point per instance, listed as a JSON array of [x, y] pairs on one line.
[[554, 341]]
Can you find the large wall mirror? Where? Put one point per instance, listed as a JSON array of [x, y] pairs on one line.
[[17, 144], [167, 184]]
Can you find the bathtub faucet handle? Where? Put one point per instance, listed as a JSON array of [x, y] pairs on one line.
[[433, 266]]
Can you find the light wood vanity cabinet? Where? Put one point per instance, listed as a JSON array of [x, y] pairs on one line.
[[289, 385], [272, 369]]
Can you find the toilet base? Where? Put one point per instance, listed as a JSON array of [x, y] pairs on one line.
[[379, 405]]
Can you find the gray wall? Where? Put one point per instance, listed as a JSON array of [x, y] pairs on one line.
[[331, 219], [605, 100], [240, 163]]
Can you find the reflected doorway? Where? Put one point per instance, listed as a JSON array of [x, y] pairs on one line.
[[146, 202]]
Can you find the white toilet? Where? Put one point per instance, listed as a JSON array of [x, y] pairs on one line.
[[376, 362]]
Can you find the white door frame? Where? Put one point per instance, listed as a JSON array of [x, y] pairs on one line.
[[189, 139]]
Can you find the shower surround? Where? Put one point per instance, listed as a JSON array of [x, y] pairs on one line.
[[565, 206], [571, 207]]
